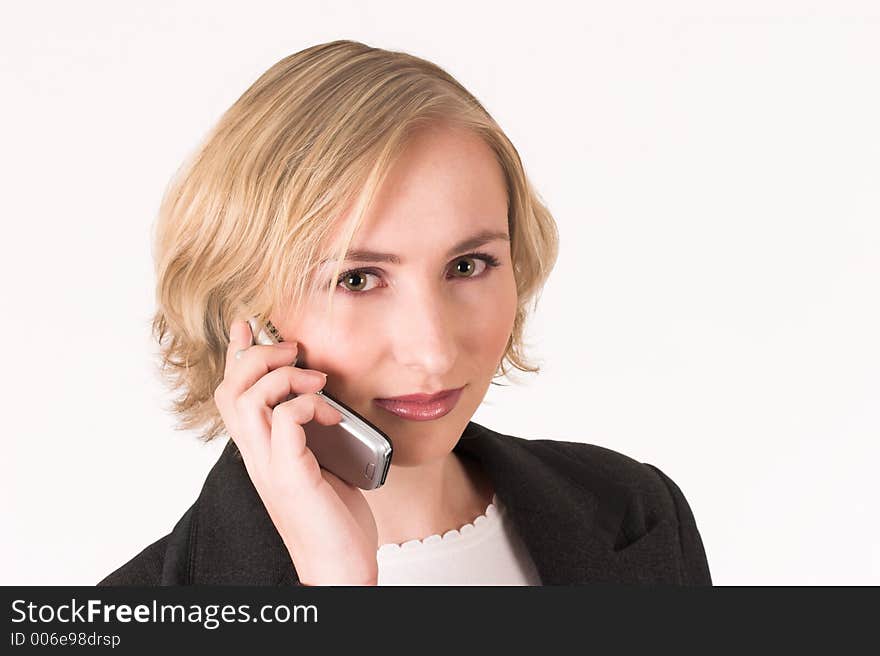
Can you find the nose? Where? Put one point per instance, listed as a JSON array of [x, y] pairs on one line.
[[423, 330]]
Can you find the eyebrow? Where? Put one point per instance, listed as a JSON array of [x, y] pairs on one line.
[[482, 237]]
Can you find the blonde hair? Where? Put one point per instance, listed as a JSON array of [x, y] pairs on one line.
[[245, 220]]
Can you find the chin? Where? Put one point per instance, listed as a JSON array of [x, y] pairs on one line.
[[418, 442]]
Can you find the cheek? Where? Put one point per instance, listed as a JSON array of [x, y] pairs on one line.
[[506, 295], [346, 342], [322, 343], [497, 313]]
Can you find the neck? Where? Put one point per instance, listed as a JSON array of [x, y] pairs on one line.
[[427, 499]]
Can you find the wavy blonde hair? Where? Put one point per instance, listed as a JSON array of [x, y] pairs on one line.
[[246, 219]]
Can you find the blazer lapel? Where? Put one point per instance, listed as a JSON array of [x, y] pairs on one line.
[[567, 512]]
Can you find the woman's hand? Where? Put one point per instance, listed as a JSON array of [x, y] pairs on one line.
[[325, 523]]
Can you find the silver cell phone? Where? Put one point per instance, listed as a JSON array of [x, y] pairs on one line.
[[354, 449]]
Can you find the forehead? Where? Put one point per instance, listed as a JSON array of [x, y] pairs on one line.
[[446, 185]]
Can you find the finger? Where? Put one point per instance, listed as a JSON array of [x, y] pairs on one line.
[[254, 361], [255, 405], [281, 384], [240, 337], [289, 458]]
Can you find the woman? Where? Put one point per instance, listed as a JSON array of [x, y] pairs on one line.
[[369, 207]]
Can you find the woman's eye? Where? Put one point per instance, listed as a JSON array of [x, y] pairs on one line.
[[466, 266], [355, 281]]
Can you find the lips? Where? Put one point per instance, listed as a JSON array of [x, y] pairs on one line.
[[422, 398], [421, 407]]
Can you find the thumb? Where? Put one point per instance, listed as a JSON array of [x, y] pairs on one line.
[[247, 335], [240, 336]]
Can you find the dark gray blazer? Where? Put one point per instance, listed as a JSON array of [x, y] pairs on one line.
[[587, 514]]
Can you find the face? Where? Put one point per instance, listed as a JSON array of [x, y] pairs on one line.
[[441, 316]]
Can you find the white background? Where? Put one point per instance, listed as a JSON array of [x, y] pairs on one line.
[[713, 169]]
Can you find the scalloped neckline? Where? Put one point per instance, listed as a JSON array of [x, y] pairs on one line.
[[491, 513]]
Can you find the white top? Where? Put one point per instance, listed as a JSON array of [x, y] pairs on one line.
[[487, 551]]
